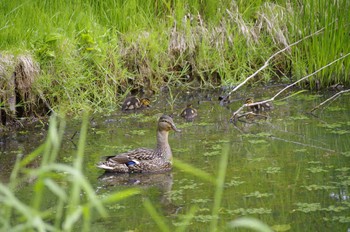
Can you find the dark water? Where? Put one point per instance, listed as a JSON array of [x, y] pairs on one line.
[[290, 170]]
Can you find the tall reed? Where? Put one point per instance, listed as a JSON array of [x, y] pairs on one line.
[[91, 53]]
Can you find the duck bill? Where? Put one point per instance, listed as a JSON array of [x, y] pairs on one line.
[[174, 127]]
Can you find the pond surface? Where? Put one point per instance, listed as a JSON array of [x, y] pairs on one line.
[[290, 170]]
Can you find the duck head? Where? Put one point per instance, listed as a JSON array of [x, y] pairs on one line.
[[166, 123]]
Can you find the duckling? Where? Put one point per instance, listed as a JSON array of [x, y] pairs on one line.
[[259, 107], [189, 112], [144, 159], [133, 103]]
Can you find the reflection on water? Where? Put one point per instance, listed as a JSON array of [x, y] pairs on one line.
[[163, 182], [290, 169]]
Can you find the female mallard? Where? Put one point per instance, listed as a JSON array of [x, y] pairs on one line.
[[259, 107], [189, 112], [133, 103], [145, 159]]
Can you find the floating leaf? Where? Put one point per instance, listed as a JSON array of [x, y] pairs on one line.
[[318, 187], [200, 200], [234, 183], [257, 194], [176, 195], [242, 211], [264, 134], [273, 170], [333, 208], [217, 147], [330, 125], [115, 207], [192, 186], [343, 169], [335, 108], [308, 207], [341, 219], [314, 162], [346, 154], [316, 169], [257, 141], [212, 153], [340, 132], [203, 218], [301, 150]]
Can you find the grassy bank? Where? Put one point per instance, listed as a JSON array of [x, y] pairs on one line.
[[88, 54]]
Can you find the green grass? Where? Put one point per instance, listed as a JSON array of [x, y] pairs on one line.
[[91, 54], [70, 208]]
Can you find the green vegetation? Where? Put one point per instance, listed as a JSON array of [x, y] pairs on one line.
[[75, 201], [90, 54], [66, 182]]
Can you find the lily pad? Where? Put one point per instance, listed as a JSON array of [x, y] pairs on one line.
[[258, 194], [308, 207], [316, 169], [318, 187], [273, 170]]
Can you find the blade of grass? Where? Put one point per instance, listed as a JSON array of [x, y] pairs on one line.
[[220, 180], [250, 223], [194, 171], [187, 219], [157, 218]]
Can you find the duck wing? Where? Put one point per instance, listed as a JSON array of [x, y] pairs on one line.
[[136, 156]]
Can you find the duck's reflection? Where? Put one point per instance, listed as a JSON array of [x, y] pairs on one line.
[[163, 182]]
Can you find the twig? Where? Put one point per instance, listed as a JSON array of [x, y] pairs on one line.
[[269, 59], [334, 96], [288, 86]]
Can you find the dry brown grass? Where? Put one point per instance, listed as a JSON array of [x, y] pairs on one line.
[[26, 71], [7, 88]]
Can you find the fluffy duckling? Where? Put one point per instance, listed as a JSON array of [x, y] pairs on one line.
[[133, 103], [189, 112], [259, 107]]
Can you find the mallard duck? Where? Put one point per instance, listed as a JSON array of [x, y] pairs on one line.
[[133, 103], [145, 159], [259, 107], [189, 112]]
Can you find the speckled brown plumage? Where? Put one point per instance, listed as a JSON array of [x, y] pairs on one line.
[[145, 159], [259, 107]]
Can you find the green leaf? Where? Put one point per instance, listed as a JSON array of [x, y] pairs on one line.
[[250, 223]]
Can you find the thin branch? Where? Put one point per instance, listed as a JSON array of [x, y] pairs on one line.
[[269, 59], [334, 96], [288, 86]]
